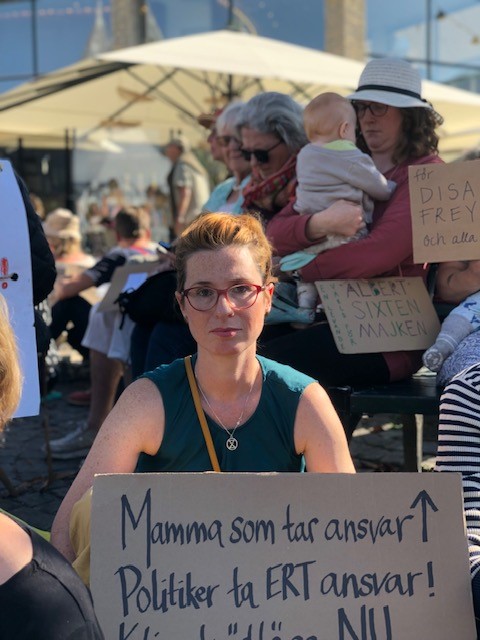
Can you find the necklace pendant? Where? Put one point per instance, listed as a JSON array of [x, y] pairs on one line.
[[232, 443]]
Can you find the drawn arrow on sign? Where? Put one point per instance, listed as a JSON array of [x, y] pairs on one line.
[[424, 499]]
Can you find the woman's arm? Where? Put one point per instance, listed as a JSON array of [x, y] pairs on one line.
[[457, 280], [388, 245], [319, 434], [289, 232], [135, 424]]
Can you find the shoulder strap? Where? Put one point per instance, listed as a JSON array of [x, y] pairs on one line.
[[201, 415]]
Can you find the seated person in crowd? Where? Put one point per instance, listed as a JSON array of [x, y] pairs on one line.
[[458, 282], [41, 596], [330, 168], [62, 229], [43, 269], [460, 323], [459, 451], [261, 416], [106, 365], [397, 127], [228, 195]]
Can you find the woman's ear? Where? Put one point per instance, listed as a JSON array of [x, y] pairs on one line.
[[269, 288]]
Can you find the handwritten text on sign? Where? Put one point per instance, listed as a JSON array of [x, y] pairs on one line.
[[280, 557], [386, 314], [445, 209]]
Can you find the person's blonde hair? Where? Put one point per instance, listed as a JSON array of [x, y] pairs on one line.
[[211, 231], [64, 246], [10, 373]]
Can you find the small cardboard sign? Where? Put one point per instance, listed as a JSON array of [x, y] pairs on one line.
[[280, 557], [381, 315], [445, 209], [129, 276]]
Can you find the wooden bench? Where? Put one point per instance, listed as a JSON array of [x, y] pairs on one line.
[[411, 399]]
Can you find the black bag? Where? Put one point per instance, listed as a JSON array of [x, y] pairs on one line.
[[154, 301]]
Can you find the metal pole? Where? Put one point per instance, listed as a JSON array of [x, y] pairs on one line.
[[143, 10], [230, 14], [34, 38], [230, 26], [69, 201], [20, 157], [428, 39]]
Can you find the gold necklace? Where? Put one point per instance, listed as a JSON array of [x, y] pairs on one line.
[[232, 442]]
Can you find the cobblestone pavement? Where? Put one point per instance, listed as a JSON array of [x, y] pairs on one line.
[[37, 490]]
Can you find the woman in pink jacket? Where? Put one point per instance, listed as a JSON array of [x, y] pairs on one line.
[[397, 127]]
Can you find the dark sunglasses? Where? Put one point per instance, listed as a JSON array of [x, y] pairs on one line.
[[262, 156], [377, 109], [224, 141]]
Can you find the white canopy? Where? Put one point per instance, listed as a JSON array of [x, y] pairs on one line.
[[161, 87]]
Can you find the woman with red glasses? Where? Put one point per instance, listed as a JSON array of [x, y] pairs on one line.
[[397, 128], [261, 416]]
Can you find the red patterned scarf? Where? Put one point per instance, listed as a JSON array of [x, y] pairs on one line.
[[272, 194]]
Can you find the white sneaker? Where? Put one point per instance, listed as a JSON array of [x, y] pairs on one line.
[[74, 445]]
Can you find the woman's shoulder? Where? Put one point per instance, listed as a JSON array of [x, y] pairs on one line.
[[283, 375], [432, 158], [222, 188], [399, 173], [170, 373], [219, 195]]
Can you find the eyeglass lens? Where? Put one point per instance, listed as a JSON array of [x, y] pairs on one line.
[[262, 156], [376, 108], [240, 296]]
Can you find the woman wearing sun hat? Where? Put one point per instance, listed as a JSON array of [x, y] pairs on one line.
[[397, 127]]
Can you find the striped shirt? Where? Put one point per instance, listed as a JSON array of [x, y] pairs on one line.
[[459, 449]]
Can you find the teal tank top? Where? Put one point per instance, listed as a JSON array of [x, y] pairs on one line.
[[265, 440]]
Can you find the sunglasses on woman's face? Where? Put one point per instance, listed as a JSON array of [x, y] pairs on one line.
[[377, 109], [262, 156]]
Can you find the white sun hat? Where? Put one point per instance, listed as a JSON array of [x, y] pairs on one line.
[[390, 81]]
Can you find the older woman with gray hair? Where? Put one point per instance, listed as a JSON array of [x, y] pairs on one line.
[[271, 126], [227, 196]]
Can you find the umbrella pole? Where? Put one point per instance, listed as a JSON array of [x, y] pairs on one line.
[[69, 200]]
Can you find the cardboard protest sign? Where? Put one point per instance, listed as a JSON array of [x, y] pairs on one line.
[[385, 314], [445, 209], [16, 284], [280, 557], [129, 276]]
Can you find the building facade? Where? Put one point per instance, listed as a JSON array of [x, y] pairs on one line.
[[39, 36], [441, 36]]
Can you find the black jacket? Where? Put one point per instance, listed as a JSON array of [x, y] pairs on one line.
[[43, 262]]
